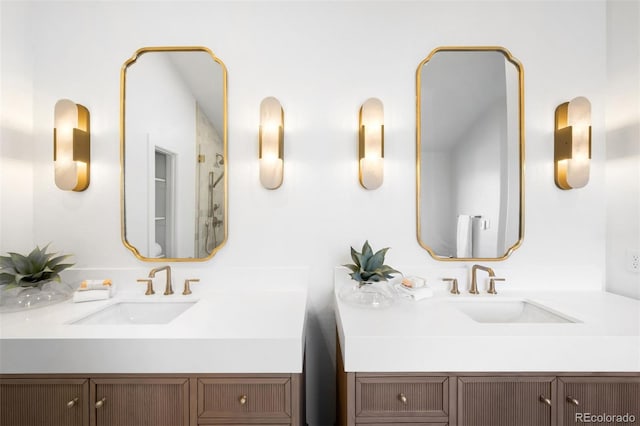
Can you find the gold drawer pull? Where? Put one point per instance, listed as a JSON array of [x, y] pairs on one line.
[[243, 399], [100, 403], [402, 398], [571, 400], [545, 400], [72, 403]]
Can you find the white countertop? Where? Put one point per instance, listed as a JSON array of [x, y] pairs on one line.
[[432, 335], [241, 328]]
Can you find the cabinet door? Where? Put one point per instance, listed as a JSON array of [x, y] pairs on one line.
[[505, 401], [591, 399], [140, 402], [44, 402]]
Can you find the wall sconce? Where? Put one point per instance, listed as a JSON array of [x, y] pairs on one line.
[[572, 145], [71, 146], [371, 144], [271, 143]]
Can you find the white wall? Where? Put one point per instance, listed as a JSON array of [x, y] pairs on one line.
[[623, 145], [16, 132], [322, 60]]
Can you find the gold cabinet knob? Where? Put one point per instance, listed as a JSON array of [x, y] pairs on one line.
[[403, 398], [243, 399], [545, 400], [72, 403], [571, 400], [100, 403]]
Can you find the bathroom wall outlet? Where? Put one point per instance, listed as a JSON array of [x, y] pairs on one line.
[[633, 260]]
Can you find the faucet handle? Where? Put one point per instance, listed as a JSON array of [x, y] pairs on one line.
[[492, 284], [149, 283], [187, 289], [454, 285]]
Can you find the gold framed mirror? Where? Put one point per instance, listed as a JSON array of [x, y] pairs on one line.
[[470, 153], [173, 154]]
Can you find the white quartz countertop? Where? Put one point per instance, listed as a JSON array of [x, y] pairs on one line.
[[432, 335], [256, 328]]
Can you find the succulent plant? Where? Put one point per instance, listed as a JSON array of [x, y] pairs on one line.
[[38, 266], [369, 266]]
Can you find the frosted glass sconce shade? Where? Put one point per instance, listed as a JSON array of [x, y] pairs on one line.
[[371, 144], [271, 143], [71, 146], [572, 145]]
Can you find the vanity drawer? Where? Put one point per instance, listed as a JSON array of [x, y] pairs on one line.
[[418, 397], [244, 398]]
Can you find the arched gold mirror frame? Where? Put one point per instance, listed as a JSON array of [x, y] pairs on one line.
[[123, 95], [509, 57]]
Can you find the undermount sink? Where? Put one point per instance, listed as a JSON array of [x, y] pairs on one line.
[[136, 313], [510, 311]]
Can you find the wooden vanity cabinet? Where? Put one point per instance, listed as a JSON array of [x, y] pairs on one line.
[[397, 397], [38, 402], [408, 399], [139, 401], [593, 396], [55, 401], [242, 399], [487, 399], [484, 399], [505, 400], [149, 400]]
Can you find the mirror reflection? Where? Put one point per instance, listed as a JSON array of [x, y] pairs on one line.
[[470, 150], [173, 152]]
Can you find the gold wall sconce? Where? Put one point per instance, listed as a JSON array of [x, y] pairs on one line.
[[71, 146], [271, 143], [371, 144], [572, 144]]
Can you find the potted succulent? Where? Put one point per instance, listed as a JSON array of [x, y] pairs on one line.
[[367, 270], [32, 280]]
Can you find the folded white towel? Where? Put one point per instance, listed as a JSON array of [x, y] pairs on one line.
[[413, 293], [90, 295], [413, 282], [95, 285]]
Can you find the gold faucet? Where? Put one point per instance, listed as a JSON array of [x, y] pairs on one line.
[[474, 282], [149, 284], [187, 289], [492, 285], [168, 289], [454, 285]]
